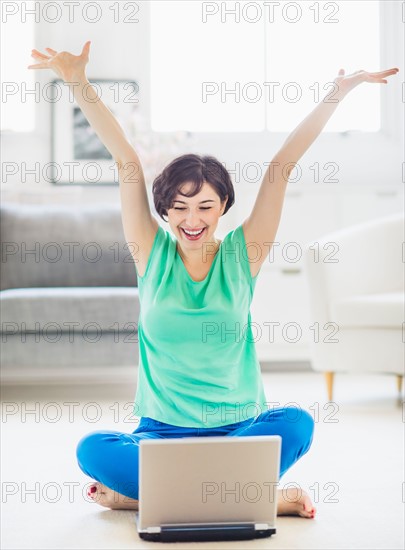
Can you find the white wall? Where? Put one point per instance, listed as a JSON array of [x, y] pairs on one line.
[[119, 50]]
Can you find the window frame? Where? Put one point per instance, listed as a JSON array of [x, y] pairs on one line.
[[390, 41]]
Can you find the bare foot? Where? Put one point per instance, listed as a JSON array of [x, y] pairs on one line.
[[294, 501], [111, 499], [291, 501]]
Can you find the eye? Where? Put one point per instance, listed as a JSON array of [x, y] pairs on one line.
[[202, 208]]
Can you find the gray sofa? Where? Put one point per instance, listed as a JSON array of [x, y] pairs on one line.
[[69, 296]]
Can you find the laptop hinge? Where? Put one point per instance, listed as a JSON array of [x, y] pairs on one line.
[[256, 526], [259, 526], [153, 530]]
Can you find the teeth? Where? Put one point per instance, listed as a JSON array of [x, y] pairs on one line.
[[192, 233]]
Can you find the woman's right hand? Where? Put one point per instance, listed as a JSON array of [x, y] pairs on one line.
[[67, 66]]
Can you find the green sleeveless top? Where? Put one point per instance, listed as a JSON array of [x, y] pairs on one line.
[[198, 366]]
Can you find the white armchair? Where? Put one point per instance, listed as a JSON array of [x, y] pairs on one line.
[[356, 294]]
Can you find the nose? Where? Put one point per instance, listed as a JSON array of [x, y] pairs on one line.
[[193, 219]]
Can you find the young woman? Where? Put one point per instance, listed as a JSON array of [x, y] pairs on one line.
[[198, 370]]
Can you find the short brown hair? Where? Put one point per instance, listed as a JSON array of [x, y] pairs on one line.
[[197, 170]]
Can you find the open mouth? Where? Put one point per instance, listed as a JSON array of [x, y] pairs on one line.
[[192, 236]]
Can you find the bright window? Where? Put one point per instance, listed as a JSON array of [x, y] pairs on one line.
[[251, 66]]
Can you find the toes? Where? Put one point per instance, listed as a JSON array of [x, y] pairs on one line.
[[96, 492], [306, 514], [307, 510], [309, 513], [106, 497], [292, 503], [91, 490], [307, 504]]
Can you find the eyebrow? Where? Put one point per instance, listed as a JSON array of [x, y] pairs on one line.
[[201, 202]]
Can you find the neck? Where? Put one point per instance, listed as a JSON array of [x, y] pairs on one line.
[[203, 254]]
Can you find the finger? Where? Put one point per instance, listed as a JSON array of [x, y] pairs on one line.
[[393, 69], [51, 51], [385, 73], [86, 49], [377, 81], [36, 53], [39, 66], [39, 57]]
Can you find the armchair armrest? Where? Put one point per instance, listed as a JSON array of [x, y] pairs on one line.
[[362, 259]]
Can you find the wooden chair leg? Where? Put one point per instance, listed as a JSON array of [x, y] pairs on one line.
[[329, 384], [399, 382]]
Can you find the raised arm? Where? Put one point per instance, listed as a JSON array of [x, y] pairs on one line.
[[262, 224], [138, 223]]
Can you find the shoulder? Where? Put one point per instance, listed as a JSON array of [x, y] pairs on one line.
[[247, 248], [157, 253]]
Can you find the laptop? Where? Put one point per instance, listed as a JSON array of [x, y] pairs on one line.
[[208, 488]]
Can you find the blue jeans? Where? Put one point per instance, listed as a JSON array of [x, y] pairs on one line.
[[112, 457]]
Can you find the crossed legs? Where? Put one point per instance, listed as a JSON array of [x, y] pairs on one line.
[[111, 458]]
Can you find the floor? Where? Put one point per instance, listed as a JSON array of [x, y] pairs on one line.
[[354, 470]]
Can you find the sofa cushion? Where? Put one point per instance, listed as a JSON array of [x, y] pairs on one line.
[[58, 309], [50, 355], [58, 246], [370, 310]]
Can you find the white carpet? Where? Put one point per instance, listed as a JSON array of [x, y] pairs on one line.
[[360, 457]]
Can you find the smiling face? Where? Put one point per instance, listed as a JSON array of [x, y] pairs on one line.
[[199, 215]]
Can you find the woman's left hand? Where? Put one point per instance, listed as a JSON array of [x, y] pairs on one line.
[[346, 83]]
